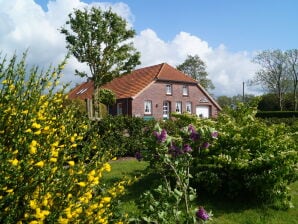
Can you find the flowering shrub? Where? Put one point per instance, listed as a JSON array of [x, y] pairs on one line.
[[171, 157], [48, 172], [250, 159]]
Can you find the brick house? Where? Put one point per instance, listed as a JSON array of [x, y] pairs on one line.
[[154, 92]]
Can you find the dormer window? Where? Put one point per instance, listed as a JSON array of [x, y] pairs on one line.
[[184, 90], [169, 90]]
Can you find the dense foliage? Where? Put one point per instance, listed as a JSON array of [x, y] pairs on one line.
[[249, 159], [48, 172], [101, 39], [122, 135]]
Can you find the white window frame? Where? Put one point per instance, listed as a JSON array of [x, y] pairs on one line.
[[178, 107], [184, 90], [147, 107], [188, 107], [119, 108], [169, 89]]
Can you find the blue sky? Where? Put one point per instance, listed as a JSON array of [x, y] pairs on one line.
[[238, 24], [225, 34]]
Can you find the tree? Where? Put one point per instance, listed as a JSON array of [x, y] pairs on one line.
[[100, 39], [273, 74], [292, 60], [196, 68]]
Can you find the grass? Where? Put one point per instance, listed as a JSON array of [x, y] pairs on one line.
[[225, 212]]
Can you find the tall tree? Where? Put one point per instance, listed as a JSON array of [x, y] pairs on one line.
[[102, 40], [292, 60], [273, 74], [196, 68]]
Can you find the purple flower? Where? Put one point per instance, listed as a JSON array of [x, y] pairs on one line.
[[194, 135], [187, 148], [175, 150], [162, 136], [205, 145], [138, 156], [214, 134], [202, 214]]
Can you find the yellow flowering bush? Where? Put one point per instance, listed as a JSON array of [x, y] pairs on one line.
[[49, 172]]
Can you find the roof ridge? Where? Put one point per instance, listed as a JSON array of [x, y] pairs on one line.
[[161, 68]]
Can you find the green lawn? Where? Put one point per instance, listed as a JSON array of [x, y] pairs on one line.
[[225, 212]]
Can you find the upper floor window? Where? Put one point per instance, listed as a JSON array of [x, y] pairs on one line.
[[148, 107], [169, 90], [179, 107], [185, 90], [188, 107]]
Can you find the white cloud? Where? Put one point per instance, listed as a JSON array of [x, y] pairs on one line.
[[25, 25], [227, 70]]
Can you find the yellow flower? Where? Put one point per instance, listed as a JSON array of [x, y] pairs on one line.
[[4, 81], [37, 132], [33, 143], [40, 164], [34, 222], [36, 125], [62, 220], [9, 190], [54, 153], [25, 112], [73, 145], [106, 199], [53, 160], [32, 150], [115, 158], [28, 130], [82, 184], [32, 204], [107, 167], [14, 162], [71, 163], [11, 87], [72, 139]]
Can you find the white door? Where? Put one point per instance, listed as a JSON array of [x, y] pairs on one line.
[[166, 109], [203, 111]]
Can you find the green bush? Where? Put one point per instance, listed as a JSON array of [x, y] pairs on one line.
[[278, 114], [249, 159], [122, 135]]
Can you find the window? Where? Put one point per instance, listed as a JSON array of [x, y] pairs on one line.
[[169, 89], [147, 107], [185, 90], [188, 107], [119, 108], [179, 107]]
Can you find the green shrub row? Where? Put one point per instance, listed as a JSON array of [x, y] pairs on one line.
[[278, 114], [122, 135]]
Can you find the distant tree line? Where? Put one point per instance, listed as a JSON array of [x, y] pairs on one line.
[[266, 102], [278, 75]]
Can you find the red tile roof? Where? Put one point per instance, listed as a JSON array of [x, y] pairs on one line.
[[131, 84], [83, 91]]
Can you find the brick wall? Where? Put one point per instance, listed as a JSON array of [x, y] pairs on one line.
[[156, 92]]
